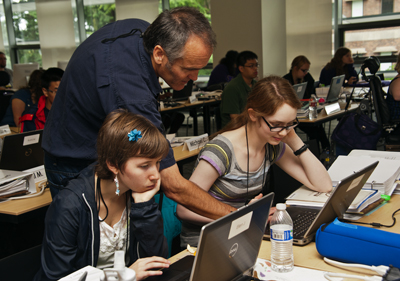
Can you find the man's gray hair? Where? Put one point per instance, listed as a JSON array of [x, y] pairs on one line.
[[171, 30]]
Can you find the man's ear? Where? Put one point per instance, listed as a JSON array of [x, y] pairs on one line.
[[44, 90], [241, 68], [158, 54], [112, 168]]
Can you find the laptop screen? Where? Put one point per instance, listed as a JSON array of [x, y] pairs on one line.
[[22, 151], [229, 246], [334, 89], [300, 89]]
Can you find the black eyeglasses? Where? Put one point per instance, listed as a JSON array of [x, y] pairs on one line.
[[252, 65], [281, 128], [53, 92], [305, 71]]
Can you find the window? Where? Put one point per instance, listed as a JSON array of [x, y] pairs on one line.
[[97, 14], [387, 6]]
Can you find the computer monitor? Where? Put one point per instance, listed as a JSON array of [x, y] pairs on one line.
[[21, 73], [62, 64]]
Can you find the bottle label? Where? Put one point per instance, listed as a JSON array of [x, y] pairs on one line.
[[281, 235]]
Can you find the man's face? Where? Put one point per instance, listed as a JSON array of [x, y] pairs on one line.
[[250, 69], [3, 61], [195, 56]]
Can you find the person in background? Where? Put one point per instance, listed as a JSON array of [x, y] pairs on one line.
[[225, 71], [232, 167], [23, 99], [300, 73], [34, 117], [234, 96], [110, 206], [341, 63], [393, 97], [3, 63], [119, 66]]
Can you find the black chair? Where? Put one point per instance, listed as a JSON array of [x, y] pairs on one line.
[[21, 266], [379, 103], [4, 95]]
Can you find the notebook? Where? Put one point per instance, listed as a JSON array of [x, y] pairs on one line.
[[307, 220], [300, 89], [22, 151], [183, 94], [334, 89], [227, 248]]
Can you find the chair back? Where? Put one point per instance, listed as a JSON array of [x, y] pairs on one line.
[[4, 103], [379, 102]]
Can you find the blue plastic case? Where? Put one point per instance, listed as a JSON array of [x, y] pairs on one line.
[[358, 244]]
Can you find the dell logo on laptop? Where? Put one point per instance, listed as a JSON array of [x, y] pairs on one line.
[[233, 250]]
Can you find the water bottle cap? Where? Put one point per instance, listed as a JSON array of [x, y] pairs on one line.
[[281, 206]]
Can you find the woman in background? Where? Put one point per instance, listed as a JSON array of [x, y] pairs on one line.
[[300, 73], [23, 99], [341, 63], [225, 70]]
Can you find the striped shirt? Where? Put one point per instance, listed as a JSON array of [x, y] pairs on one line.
[[231, 185]]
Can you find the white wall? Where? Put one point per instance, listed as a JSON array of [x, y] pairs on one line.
[[56, 29], [140, 9], [309, 32]]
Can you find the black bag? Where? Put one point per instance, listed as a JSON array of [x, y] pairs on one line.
[[357, 131]]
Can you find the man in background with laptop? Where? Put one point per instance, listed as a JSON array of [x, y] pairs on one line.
[[119, 66], [234, 96]]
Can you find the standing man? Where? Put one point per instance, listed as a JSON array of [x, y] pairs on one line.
[[3, 63], [118, 67], [234, 96]]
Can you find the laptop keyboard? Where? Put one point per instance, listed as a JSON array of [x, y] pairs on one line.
[[302, 222]]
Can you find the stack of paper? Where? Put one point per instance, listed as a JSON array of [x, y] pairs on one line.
[[307, 197], [388, 155], [302, 113], [14, 183], [383, 178]]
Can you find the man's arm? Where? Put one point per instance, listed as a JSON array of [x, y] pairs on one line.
[[190, 195]]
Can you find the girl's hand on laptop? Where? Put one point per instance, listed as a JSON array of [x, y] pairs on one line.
[[271, 212], [259, 196], [143, 267]]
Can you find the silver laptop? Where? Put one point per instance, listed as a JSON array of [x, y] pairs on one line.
[[300, 89], [228, 247], [307, 220], [334, 89], [22, 151]]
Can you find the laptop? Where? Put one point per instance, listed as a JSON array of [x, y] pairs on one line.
[[183, 94], [300, 89], [334, 89], [307, 220], [22, 151], [227, 248]]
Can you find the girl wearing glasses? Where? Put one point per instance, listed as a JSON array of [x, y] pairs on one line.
[[232, 167], [300, 73]]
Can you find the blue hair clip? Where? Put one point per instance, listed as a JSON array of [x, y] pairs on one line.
[[134, 135]]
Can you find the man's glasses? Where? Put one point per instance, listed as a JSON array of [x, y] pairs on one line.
[[281, 128], [252, 65]]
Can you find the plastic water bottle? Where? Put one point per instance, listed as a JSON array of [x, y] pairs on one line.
[[281, 226], [312, 109]]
